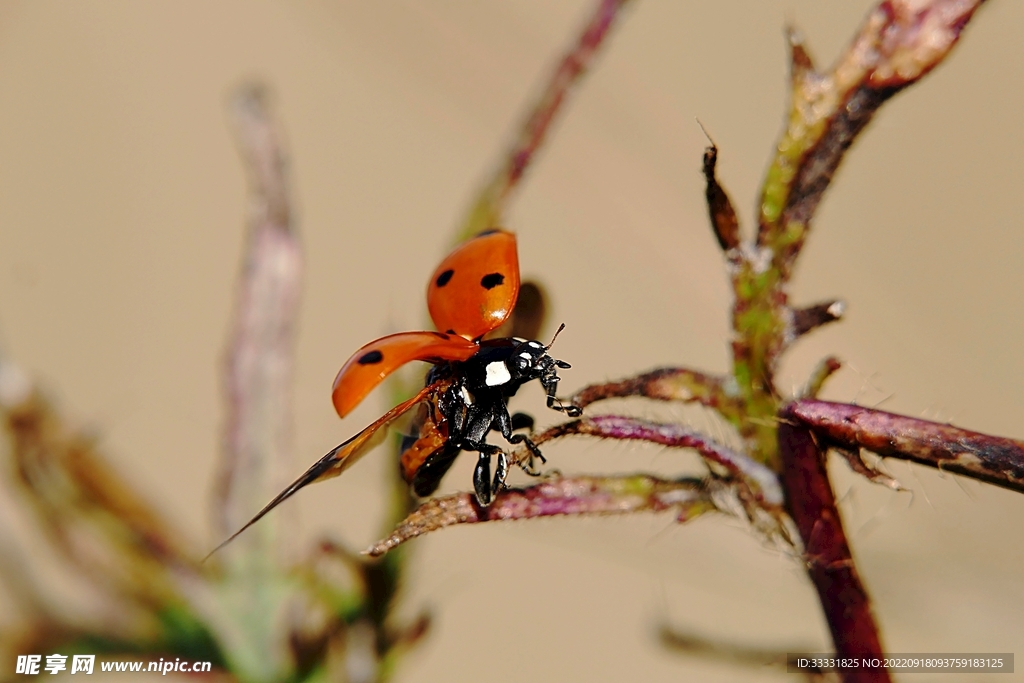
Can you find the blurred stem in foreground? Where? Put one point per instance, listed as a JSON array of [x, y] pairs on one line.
[[256, 455], [488, 210]]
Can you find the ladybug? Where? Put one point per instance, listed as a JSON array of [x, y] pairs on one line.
[[472, 292]]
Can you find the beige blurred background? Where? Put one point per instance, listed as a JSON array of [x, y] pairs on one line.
[[121, 210]]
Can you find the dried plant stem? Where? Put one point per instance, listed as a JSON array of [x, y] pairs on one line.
[[489, 207], [258, 368], [559, 496], [830, 565], [898, 43], [763, 481], [67, 477], [992, 459], [727, 652], [665, 384]]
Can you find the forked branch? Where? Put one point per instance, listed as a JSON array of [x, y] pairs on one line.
[[899, 43]]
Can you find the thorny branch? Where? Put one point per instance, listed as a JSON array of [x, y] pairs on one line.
[[558, 496], [665, 384], [899, 42], [812, 505], [763, 482], [993, 459]]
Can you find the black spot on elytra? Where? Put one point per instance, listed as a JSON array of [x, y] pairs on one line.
[[371, 358], [444, 277], [451, 331], [492, 280]]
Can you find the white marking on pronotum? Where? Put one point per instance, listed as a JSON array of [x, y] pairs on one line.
[[536, 345], [497, 374], [527, 356]]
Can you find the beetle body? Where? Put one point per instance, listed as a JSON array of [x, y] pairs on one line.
[[475, 403], [471, 293]]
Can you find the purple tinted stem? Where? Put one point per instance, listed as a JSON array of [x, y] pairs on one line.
[[993, 459]]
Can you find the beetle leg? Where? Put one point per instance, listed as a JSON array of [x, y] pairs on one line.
[[482, 479], [482, 472], [550, 384], [502, 422], [500, 472], [522, 421], [535, 454], [506, 425]]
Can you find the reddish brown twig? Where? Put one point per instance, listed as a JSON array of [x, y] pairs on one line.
[[762, 481], [899, 43], [830, 566], [561, 496], [489, 207], [992, 459], [663, 384]]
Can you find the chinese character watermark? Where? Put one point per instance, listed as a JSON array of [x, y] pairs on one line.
[[82, 664], [56, 663], [28, 664]]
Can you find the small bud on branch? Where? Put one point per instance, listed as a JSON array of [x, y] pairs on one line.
[[723, 216]]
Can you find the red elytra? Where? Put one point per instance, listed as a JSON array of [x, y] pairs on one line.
[[373, 362], [472, 292], [475, 288]]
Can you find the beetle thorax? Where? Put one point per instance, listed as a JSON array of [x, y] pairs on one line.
[[503, 365]]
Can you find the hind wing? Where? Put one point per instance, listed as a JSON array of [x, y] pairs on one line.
[[343, 456]]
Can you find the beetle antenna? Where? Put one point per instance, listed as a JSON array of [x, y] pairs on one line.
[[705, 131], [557, 332]]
